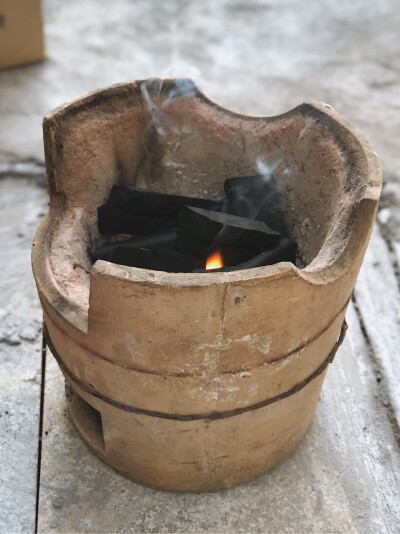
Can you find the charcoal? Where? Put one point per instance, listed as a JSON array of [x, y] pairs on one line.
[[256, 197], [232, 255], [157, 260], [200, 230], [165, 240], [285, 250], [112, 221], [138, 212]]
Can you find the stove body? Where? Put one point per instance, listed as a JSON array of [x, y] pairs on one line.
[[198, 381]]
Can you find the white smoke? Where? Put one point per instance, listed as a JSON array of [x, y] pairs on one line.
[[306, 127], [264, 168]]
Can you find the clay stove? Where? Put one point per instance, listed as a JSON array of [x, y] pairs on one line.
[[198, 381]]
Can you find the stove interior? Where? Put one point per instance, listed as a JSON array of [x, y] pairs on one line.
[[173, 140]]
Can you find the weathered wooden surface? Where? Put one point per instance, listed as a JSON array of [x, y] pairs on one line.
[[378, 299], [21, 207]]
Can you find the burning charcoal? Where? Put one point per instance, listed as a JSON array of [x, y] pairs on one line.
[[199, 230], [256, 197], [159, 241], [232, 255], [139, 212], [157, 260], [285, 250]]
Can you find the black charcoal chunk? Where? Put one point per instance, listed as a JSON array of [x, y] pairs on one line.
[[200, 230], [232, 255], [113, 221], [130, 210], [256, 197], [285, 250], [157, 260], [165, 240]]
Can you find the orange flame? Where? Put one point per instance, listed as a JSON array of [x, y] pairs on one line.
[[214, 261]]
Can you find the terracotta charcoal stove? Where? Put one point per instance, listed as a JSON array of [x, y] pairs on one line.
[[179, 376]]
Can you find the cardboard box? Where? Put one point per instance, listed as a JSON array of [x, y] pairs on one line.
[[21, 32]]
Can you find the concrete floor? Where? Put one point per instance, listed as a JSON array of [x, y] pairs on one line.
[[258, 57]]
